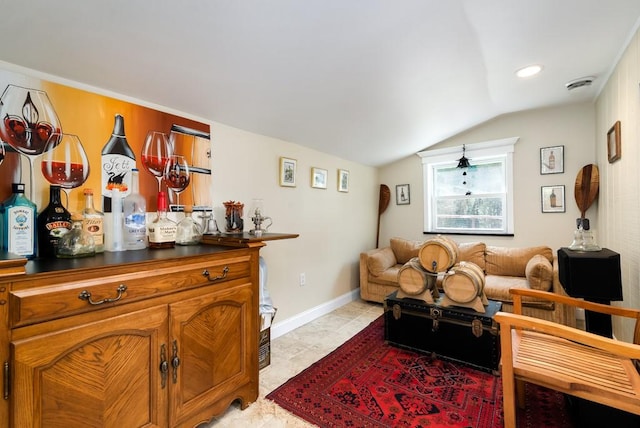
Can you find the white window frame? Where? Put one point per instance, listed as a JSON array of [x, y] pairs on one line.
[[478, 151]]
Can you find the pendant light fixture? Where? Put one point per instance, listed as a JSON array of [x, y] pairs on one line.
[[463, 162]]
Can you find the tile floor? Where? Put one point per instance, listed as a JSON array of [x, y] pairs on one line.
[[292, 353]]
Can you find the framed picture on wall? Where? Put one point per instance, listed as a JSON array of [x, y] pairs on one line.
[[552, 160], [403, 196], [318, 178], [552, 199], [343, 180], [614, 143], [288, 172]]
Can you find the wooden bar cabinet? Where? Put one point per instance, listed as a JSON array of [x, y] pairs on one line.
[[147, 338]]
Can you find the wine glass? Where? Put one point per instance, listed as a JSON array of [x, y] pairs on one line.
[[65, 163], [28, 120], [176, 175], [155, 154]]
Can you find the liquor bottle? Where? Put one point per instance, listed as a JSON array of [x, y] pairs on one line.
[[552, 161], [135, 216], [93, 221], [552, 198], [53, 223], [162, 231], [117, 162], [188, 231], [19, 223], [113, 240], [78, 242]]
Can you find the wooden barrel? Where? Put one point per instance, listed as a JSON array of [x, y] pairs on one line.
[[438, 254], [413, 279], [464, 282]]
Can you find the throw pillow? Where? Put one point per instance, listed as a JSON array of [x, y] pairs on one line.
[[380, 261], [405, 249], [539, 273]]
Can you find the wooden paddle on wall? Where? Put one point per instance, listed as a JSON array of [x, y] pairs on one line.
[[586, 188], [383, 203]]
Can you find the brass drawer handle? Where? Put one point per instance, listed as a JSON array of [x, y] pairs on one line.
[[85, 295], [225, 271]]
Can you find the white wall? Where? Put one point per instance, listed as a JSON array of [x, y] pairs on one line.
[[571, 126], [619, 191], [334, 227]]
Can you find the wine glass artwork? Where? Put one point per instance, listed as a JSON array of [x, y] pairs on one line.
[[28, 120], [177, 175], [65, 162], [155, 154]]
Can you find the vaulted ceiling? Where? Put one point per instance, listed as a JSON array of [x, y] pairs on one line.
[[370, 81]]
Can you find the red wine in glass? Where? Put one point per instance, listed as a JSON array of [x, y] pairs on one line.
[[68, 176], [154, 164], [176, 174], [155, 154]]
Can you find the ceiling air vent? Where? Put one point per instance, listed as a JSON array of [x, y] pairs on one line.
[[579, 83]]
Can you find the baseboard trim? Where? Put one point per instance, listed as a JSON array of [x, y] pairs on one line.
[[285, 326]]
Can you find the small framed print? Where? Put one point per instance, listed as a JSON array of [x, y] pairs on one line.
[[552, 160], [552, 199], [318, 178], [403, 197], [614, 143], [288, 172], [343, 180]]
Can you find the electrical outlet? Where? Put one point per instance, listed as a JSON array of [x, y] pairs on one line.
[[303, 279]]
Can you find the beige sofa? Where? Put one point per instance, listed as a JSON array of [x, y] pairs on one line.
[[504, 267]]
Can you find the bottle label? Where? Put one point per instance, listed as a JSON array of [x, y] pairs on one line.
[[163, 232], [116, 174], [21, 239], [95, 227]]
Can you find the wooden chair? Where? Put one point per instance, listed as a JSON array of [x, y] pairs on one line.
[[566, 359]]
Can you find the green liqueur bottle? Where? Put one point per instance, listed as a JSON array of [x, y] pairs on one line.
[[18, 215]]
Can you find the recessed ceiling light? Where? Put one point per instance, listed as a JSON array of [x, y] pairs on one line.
[[529, 71]]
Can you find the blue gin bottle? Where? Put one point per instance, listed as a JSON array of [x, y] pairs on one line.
[[18, 216]]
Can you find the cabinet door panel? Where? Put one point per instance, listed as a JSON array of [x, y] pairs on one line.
[[102, 374], [213, 334]]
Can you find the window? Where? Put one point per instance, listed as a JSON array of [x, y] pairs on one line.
[[473, 200]]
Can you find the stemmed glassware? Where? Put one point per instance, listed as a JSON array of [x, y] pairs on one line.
[[28, 120], [65, 162], [155, 154], [177, 175]]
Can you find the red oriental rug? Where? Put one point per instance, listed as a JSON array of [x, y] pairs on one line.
[[367, 383]]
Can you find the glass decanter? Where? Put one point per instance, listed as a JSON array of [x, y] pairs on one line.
[[76, 243], [188, 232]]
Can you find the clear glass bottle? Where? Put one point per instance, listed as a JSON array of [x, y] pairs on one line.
[[162, 231], [93, 221], [135, 216], [188, 232], [78, 242], [53, 223], [18, 215]]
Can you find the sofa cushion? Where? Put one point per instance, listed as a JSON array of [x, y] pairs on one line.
[[380, 261], [512, 261], [539, 273], [388, 277], [405, 249], [472, 252]]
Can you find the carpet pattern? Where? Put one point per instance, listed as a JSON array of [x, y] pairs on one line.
[[367, 383]]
